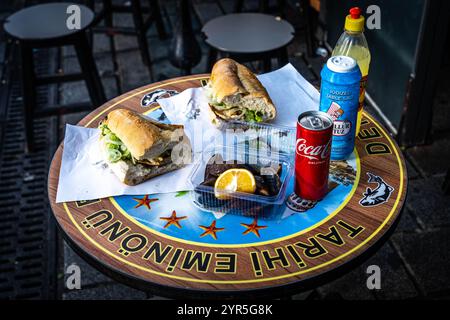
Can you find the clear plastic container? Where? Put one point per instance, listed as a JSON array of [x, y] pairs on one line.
[[280, 139], [238, 202]]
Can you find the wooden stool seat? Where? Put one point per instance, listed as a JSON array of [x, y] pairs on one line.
[[45, 22]]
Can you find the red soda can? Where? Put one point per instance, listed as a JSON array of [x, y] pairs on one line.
[[312, 154]]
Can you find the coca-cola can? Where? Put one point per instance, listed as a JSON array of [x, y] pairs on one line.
[[312, 154]]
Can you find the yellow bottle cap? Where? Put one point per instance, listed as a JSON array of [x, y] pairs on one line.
[[354, 21]]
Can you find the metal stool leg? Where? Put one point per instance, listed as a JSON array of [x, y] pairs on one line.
[[141, 35], [267, 64], [281, 4], [283, 57], [91, 5], [89, 69], [28, 93], [155, 8], [309, 28], [212, 57], [238, 5], [107, 14], [263, 6]]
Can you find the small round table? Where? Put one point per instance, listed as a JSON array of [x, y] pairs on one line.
[[164, 244], [248, 37]]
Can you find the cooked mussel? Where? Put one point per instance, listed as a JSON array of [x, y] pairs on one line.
[[273, 183]]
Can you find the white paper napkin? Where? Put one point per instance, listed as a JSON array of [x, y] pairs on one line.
[[84, 175], [290, 93]]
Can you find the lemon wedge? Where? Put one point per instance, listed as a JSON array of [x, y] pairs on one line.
[[234, 180]]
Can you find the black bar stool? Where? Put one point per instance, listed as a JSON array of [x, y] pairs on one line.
[[46, 25], [248, 37]]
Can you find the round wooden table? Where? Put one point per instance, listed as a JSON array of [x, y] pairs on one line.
[[166, 245]]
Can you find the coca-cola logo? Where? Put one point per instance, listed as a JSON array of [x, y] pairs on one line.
[[312, 152]]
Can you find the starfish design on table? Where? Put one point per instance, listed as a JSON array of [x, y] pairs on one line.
[[173, 220], [211, 230], [145, 201], [253, 227]]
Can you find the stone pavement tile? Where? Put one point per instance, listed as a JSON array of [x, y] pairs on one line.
[[73, 92], [157, 298], [133, 72], [68, 51], [441, 103], [105, 292], [308, 67], [228, 5], [426, 256], [351, 286], [304, 70], [307, 295], [123, 19], [110, 87], [103, 61], [159, 50], [428, 203], [100, 45], [407, 222], [395, 281], [412, 172], [201, 66], [89, 276], [164, 71], [71, 118], [430, 157], [126, 43]]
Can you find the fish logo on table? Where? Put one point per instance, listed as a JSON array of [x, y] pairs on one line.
[[378, 195], [151, 97]]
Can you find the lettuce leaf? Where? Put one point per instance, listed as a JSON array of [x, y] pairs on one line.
[[253, 116], [115, 148]]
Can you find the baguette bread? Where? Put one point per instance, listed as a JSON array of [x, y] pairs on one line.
[[148, 146], [145, 138], [132, 174], [235, 90]]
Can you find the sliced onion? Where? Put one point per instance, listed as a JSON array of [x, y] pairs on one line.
[[114, 155], [113, 142]]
